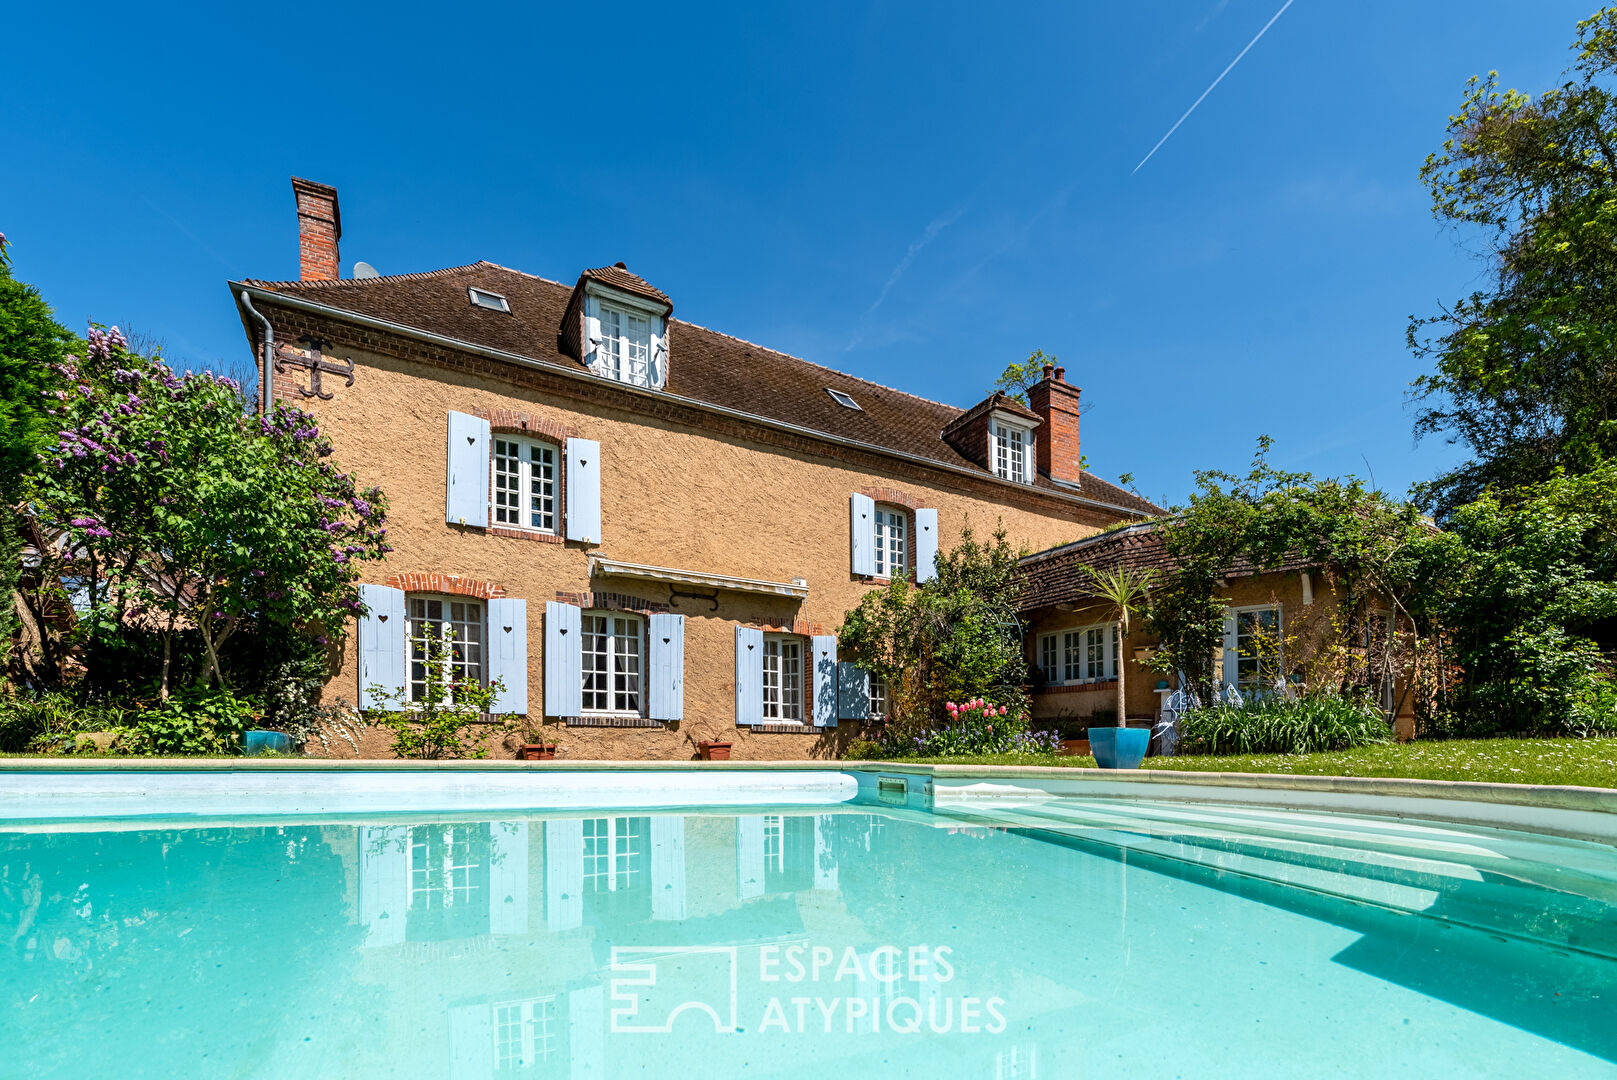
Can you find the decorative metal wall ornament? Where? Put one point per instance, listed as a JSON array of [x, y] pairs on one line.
[[712, 598], [316, 362]]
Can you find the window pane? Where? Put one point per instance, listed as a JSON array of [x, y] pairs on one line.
[[542, 487], [507, 482], [596, 638]]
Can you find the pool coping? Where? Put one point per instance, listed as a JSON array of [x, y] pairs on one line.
[[1563, 797]]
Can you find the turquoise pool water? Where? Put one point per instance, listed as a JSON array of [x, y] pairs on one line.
[[1035, 938]]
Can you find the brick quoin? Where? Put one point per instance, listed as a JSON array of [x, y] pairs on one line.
[[1056, 445]]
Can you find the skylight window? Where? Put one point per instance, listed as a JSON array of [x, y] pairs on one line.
[[484, 299], [843, 399]]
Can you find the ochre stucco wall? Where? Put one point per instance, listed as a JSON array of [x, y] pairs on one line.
[[673, 496]]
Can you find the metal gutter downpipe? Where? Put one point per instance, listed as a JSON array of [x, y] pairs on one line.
[[266, 357]]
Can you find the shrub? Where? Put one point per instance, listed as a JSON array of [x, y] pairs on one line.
[[51, 721], [447, 721], [197, 720], [1274, 725]]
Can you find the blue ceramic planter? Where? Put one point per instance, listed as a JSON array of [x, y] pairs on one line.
[[1118, 748], [254, 743]]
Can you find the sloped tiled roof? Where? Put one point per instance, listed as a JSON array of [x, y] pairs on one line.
[[618, 277], [704, 365], [1057, 576]]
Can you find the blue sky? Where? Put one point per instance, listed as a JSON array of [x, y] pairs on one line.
[[917, 194]]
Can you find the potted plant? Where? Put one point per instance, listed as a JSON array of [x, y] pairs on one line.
[[714, 750], [1124, 590], [534, 746]]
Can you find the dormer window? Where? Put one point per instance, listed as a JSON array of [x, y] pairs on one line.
[[1010, 450], [626, 338]]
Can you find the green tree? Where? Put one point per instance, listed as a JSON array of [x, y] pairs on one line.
[[950, 639], [173, 509], [1523, 374], [32, 343], [1018, 378], [1534, 589]]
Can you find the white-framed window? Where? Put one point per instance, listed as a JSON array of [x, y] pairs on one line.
[[774, 842], [612, 851], [892, 529], [879, 698], [783, 678], [451, 619], [484, 299], [624, 352], [1011, 452], [523, 487], [1257, 648], [443, 866], [524, 1034], [1084, 654], [612, 662]]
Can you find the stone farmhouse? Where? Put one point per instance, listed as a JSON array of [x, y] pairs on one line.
[[647, 531]]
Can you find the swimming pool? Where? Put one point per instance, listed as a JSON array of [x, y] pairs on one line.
[[796, 924]]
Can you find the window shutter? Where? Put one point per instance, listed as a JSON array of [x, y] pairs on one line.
[[749, 675], [564, 660], [668, 867], [584, 490], [564, 874], [381, 646], [659, 352], [508, 654], [384, 883], [862, 527], [750, 855], [853, 691], [467, 491], [508, 878], [471, 1041], [825, 681], [1232, 671], [665, 698], [586, 1032], [592, 329], [926, 545]]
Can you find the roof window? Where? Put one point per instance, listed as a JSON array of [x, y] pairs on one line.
[[843, 399], [484, 299]]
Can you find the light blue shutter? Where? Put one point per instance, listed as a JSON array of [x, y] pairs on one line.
[[564, 660], [471, 1042], [668, 868], [381, 646], [750, 860], [666, 697], [853, 691], [584, 490], [467, 491], [564, 873], [508, 654], [1232, 670], [508, 878], [749, 675], [926, 545], [825, 681], [862, 529], [659, 352]]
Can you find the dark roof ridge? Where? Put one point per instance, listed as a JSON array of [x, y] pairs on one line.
[[418, 275], [1139, 527]]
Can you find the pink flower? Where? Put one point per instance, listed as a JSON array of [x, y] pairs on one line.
[[1002, 710]]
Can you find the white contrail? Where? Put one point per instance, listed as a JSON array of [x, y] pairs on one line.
[[1215, 82]]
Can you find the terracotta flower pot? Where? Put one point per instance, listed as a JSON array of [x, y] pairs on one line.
[[537, 752], [1074, 747], [713, 750]]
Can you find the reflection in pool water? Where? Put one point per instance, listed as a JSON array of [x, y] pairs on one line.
[[1068, 939]]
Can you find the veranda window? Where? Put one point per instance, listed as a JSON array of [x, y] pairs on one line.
[[524, 1034], [612, 663], [1257, 648], [783, 678], [524, 487], [456, 622]]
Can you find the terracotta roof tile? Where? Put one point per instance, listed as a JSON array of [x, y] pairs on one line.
[[704, 365]]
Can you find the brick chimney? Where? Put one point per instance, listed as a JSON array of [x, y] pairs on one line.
[[319, 229], [1056, 443]]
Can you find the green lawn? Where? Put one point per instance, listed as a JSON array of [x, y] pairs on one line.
[[1583, 762]]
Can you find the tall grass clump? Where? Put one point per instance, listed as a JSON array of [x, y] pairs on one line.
[[1275, 725]]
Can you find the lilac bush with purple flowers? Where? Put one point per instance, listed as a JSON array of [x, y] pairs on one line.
[[174, 508]]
